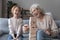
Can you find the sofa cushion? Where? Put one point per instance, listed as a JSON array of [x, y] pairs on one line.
[[1, 32], [26, 22], [58, 23], [4, 25]]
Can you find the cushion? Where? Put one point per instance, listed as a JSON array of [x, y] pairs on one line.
[[4, 25], [49, 13], [1, 32], [25, 21], [58, 23]]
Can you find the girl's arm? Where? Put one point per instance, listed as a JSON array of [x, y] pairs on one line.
[[10, 28], [20, 28]]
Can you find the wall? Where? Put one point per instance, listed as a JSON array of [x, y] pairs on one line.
[[4, 8], [0, 8], [52, 6]]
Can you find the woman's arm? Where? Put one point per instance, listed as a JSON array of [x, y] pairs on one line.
[[53, 26]]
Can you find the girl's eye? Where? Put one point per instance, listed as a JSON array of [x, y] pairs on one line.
[[16, 10]]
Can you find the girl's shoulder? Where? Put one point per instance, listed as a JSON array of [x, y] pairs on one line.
[[13, 18], [9, 20]]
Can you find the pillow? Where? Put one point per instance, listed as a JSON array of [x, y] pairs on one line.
[[26, 21], [4, 21], [49, 13], [4, 29], [58, 23], [2, 32]]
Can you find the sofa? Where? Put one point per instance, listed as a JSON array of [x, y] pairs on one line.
[[4, 32], [4, 29]]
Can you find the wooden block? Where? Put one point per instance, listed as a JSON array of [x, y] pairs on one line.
[[32, 38], [33, 28]]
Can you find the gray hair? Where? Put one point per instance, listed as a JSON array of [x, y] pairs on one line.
[[35, 6]]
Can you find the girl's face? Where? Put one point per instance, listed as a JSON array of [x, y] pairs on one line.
[[16, 12], [35, 12]]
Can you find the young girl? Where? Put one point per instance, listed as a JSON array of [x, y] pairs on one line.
[[15, 24]]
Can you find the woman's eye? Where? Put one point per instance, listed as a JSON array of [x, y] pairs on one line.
[[34, 10]]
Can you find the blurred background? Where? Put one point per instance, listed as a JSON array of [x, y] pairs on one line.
[[52, 6]]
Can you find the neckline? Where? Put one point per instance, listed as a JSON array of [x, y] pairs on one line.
[[42, 19]]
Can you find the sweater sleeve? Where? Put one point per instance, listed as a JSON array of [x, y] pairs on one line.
[[10, 28], [53, 26]]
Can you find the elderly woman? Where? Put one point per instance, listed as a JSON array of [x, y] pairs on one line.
[[45, 24]]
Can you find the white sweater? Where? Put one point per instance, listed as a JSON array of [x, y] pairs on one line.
[[15, 26], [48, 23]]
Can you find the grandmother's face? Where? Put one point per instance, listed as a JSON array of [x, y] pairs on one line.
[[35, 12]]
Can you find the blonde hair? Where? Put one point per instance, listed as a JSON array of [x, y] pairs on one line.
[[14, 8]]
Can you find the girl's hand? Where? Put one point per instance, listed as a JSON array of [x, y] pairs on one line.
[[14, 38]]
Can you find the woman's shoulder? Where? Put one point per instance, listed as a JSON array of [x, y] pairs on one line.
[[48, 16], [32, 18]]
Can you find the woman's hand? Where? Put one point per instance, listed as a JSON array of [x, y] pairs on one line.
[[48, 32]]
